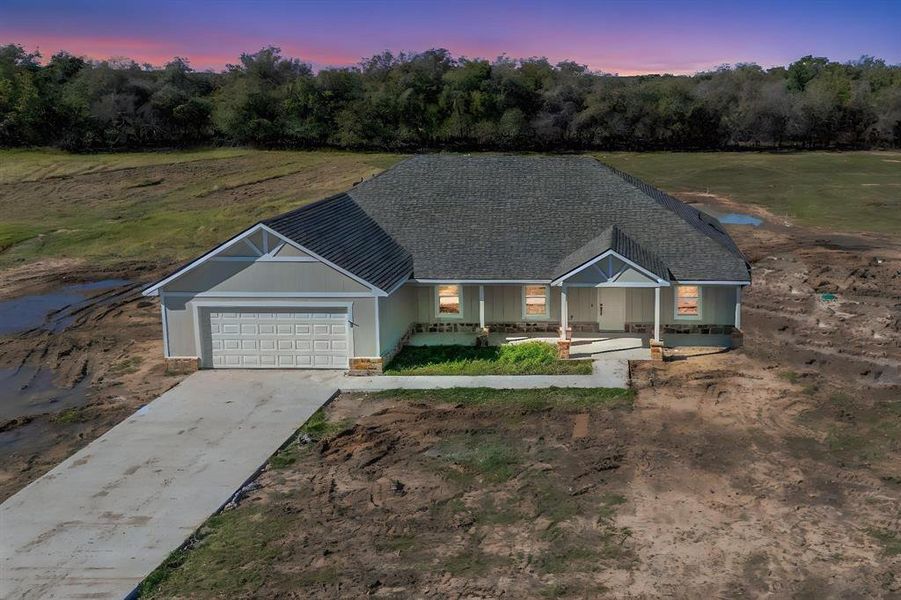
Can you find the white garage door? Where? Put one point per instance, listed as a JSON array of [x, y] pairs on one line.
[[278, 339]]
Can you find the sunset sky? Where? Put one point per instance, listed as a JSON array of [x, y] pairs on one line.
[[618, 37]]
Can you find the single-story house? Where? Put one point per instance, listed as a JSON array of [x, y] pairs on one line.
[[563, 245]]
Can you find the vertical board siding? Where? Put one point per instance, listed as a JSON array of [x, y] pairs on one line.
[[396, 313]]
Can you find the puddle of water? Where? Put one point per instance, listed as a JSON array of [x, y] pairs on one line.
[[740, 219], [29, 312], [30, 391]]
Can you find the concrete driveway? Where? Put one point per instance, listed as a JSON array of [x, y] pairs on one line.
[[98, 523], [101, 521]]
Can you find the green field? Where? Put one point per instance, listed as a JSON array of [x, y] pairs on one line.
[[846, 191], [164, 207], [156, 206]]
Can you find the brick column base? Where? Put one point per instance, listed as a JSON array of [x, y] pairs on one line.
[[738, 338], [365, 366], [563, 349], [182, 365], [656, 350]]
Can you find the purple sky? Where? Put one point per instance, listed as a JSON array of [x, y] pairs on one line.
[[626, 37]]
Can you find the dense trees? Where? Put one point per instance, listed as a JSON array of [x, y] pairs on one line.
[[433, 100]]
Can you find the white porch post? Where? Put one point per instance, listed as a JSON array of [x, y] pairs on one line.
[[564, 312], [738, 307], [482, 307], [657, 313]]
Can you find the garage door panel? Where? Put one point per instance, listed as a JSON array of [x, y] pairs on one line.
[[278, 338]]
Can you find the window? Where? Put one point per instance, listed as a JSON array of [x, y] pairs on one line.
[[450, 303], [688, 302], [535, 302]]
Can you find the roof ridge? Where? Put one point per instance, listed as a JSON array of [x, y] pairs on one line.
[[674, 204], [304, 207]]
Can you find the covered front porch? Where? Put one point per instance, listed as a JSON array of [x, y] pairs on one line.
[[627, 346]]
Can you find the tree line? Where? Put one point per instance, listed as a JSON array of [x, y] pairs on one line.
[[435, 100]]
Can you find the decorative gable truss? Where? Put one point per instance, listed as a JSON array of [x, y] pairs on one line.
[[262, 245], [610, 269], [258, 244]]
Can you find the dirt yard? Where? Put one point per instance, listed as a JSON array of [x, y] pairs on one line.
[[102, 362], [770, 471]]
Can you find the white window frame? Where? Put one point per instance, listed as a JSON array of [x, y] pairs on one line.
[[547, 303], [446, 316], [676, 315]]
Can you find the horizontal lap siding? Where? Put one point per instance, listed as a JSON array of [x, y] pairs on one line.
[[503, 304], [396, 313], [717, 306]]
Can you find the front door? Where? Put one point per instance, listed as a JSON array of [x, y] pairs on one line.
[[612, 309]]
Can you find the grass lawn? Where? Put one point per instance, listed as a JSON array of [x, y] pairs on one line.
[[530, 358], [850, 191], [166, 207], [157, 206]]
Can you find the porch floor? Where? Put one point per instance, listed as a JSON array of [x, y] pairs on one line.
[[628, 346]]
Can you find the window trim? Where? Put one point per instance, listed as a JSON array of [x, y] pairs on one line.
[[676, 315], [438, 313], [547, 303]]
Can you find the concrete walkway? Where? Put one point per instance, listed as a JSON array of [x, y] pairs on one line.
[[605, 373], [101, 521]]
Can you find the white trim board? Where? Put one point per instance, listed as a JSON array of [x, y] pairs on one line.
[[701, 282], [481, 281], [603, 255], [154, 289], [269, 295]]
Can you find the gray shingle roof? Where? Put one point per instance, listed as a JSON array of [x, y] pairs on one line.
[[614, 239], [338, 230], [496, 217]]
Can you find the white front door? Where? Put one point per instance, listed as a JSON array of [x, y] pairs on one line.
[[612, 309], [284, 338]]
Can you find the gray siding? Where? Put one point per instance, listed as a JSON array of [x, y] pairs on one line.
[[503, 304], [396, 313], [263, 276], [180, 320], [258, 278], [717, 306]]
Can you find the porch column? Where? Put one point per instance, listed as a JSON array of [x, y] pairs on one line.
[[564, 312], [657, 313], [738, 307], [482, 307]]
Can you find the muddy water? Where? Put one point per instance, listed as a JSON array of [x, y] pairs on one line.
[[27, 390], [51, 310]]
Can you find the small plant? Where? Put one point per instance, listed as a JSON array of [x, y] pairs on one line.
[[316, 429], [890, 540], [70, 416], [789, 376], [126, 366]]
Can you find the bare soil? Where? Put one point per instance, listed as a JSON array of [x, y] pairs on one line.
[[107, 361], [774, 470], [770, 471]]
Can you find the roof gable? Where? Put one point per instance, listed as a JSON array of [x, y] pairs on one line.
[[613, 239], [338, 230]]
